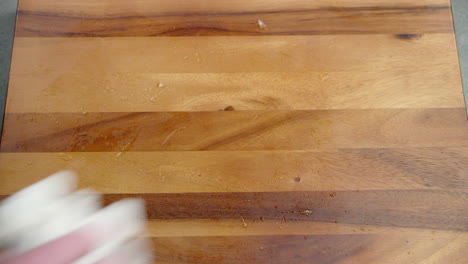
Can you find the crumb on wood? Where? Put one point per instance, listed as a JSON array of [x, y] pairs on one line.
[[306, 212], [408, 36], [244, 224], [262, 25], [323, 76]]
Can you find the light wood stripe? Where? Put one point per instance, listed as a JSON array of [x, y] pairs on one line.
[[230, 54], [119, 7], [265, 227], [239, 171], [350, 248], [235, 130], [134, 92]]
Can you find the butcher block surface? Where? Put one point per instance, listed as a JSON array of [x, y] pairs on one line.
[[257, 131]]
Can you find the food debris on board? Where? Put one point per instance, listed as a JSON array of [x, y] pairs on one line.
[[261, 25]]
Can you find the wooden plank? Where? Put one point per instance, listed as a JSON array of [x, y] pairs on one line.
[[208, 17], [150, 20], [119, 7], [235, 130], [241, 171], [350, 248], [437, 209], [235, 54], [389, 244], [257, 227], [427, 209], [135, 92], [258, 249]]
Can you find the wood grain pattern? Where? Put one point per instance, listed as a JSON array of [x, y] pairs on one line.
[[210, 73], [157, 18], [235, 130], [341, 20], [428, 209], [334, 131], [135, 92], [229, 54], [257, 227], [245, 171], [424, 245], [90, 7], [402, 208], [349, 248], [260, 249]]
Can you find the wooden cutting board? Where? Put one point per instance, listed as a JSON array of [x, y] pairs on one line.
[[257, 131]]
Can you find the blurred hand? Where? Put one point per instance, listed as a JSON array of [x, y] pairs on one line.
[[39, 224], [63, 250]]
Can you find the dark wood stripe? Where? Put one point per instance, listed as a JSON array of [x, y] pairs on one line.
[[427, 209], [235, 130], [331, 20], [437, 209], [261, 249]]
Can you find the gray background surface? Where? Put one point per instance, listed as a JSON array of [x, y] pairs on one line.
[[460, 17], [7, 24]]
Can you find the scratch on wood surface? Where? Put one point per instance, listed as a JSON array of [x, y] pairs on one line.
[[125, 148], [128, 145], [257, 128], [171, 134]]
